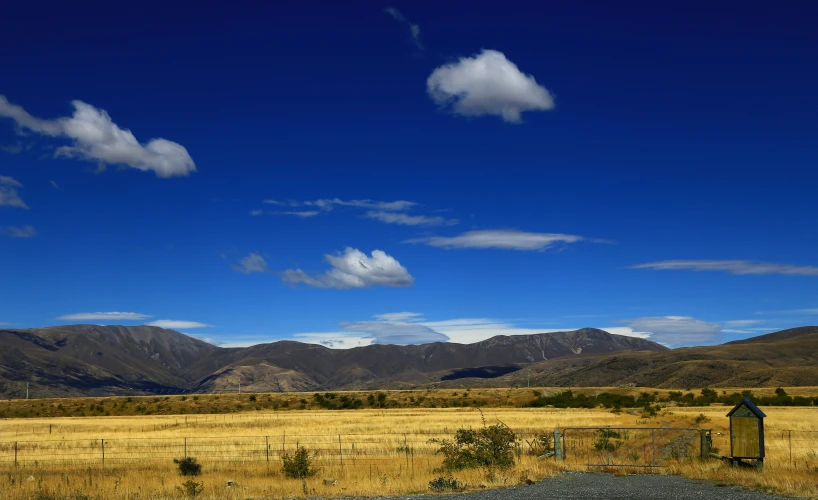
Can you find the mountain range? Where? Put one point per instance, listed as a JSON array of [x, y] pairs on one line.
[[105, 360]]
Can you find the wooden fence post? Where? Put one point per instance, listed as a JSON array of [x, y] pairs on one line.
[[558, 446], [340, 452], [185, 444], [103, 452], [706, 444], [15, 453], [267, 447]]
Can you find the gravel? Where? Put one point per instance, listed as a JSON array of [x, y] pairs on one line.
[[576, 485]]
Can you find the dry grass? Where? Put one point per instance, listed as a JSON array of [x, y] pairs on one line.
[[377, 465]]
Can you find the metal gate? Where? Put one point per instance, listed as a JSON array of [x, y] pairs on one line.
[[629, 446]]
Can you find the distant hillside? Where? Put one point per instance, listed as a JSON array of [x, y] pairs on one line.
[[98, 360], [785, 358]]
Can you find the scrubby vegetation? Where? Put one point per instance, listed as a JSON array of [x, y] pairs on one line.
[[298, 464], [647, 400], [188, 466], [489, 446]]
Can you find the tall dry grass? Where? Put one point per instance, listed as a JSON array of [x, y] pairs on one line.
[[140, 451]]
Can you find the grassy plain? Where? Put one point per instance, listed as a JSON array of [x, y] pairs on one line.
[[385, 451]]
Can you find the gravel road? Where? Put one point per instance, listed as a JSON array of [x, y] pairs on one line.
[[584, 485]]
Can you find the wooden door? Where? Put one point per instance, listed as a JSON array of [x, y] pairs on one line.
[[745, 437]]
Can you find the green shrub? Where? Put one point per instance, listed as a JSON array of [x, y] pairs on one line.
[[445, 484], [188, 466], [491, 446], [298, 465], [191, 488]]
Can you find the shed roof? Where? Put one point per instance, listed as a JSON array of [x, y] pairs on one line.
[[749, 404]]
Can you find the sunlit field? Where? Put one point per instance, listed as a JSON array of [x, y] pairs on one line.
[[368, 452]]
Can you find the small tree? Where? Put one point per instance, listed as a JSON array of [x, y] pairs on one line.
[[188, 466], [298, 465]]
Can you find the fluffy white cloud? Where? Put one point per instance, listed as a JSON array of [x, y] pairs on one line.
[[677, 330], [97, 138], [730, 266], [354, 269], [507, 239], [409, 220], [414, 29], [328, 204], [487, 84], [9, 197], [18, 231], [177, 324], [253, 263], [104, 316]]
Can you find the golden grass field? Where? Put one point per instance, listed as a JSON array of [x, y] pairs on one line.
[[385, 451]]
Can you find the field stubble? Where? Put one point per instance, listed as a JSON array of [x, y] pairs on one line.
[[384, 451]]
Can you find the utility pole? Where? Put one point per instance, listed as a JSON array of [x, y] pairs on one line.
[[26, 390], [239, 385]]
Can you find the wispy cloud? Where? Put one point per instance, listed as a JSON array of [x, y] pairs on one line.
[[253, 263], [95, 137], [104, 316], [174, 324], [740, 267], [328, 204], [18, 231], [409, 220], [677, 330], [414, 29], [354, 269], [506, 239], [54, 184], [487, 84], [12, 148], [9, 197], [792, 311], [399, 316]]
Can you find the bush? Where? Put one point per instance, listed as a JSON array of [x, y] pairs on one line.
[[444, 484], [188, 466], [702, 418], [491, 446], [604, 441], [191, 488], [298, 465]]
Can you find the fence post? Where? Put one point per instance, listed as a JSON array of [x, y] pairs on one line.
[[185, 444], [789, 439], [15, 453], [340, 452], [267, 447], [558, 454], [406, 450], [706, 443], [103, 452]]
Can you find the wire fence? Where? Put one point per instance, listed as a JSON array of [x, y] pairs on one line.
[[335, 449], [633, 447]]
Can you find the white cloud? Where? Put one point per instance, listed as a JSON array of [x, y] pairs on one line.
[[9, 197], [177, 324], [12, 148], [253, 263], [106, 316], [256, 213], [395, 332], [740, 267], [97, 138], [409, 220], [507, 239], [487, 84], [354, 269], [328, 204], [399, 316], [677, 330], [18, 231], [792, 311], [414, 29]]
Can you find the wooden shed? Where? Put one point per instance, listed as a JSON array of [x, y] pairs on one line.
[[747, 431]]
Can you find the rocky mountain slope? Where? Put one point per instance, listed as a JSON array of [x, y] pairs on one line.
[[97, 360]]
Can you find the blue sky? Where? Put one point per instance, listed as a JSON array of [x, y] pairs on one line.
[[410, 172]]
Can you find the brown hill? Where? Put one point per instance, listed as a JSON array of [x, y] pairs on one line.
[[785, 358], [96, 360]]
